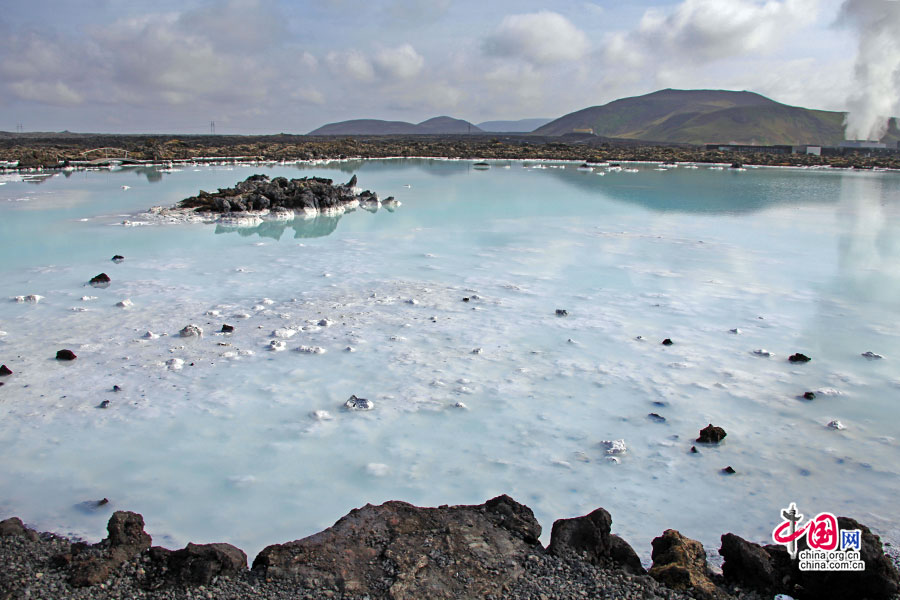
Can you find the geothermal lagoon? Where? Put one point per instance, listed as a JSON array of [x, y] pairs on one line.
[[222, 438]]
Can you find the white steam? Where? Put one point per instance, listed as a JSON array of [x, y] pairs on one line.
[[876, 95]]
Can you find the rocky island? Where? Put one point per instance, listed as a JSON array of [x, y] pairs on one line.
[[400, 551]]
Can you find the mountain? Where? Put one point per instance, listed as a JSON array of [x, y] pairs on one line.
[[520, 126], [436, 125], [706, 116]]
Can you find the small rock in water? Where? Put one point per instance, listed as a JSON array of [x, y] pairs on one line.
[[799, 358], [711, 434], [477, 351], [4, 371], [104, 404], [213, 313], [116, 388], [102, 502], [728, 470], [466, 299], [656, 417], [150, 335], [694, 450], [349, 349], [33, 298], [227, 328], [175, 364], [614, 446], [101, 281], [311, 349], [561, 312], [835, 424], [126, 303], [191, 331], [277, 345], [354, 403], [412, 301], [762, 352], [267, 301], [284, 333], [324, 323], [117, 258], [88, 298], [872, 356], [65, 355], [613, 460], [809, 395], [321, 415], [735, 331], [667, 342], [461, 405]]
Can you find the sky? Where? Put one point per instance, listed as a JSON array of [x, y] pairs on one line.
[[269, 66]]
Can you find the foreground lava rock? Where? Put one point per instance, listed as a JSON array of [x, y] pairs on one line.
[[589, 539], [680, 563], [404, 551], [258, 192]]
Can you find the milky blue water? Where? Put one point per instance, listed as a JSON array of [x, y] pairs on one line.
[[226, 448]]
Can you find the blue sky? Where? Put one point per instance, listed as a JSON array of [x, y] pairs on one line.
[[264, 66]]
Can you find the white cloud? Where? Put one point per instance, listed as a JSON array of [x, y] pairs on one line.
[[542, 38], [49, 92], [308, 96], [352, 63], [402, 62]]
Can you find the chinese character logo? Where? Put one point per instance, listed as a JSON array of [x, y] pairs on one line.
[[830, 548]]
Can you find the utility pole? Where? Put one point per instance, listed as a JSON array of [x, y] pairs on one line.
[[19, 128], [212, 127]]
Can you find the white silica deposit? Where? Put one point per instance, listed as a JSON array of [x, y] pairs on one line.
[[633, 258]]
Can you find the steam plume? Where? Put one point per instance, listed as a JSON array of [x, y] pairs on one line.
[[876, 96]]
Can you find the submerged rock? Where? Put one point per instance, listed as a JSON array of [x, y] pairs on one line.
[[191, 331], [872, 356], [354, 403], [711, 434], [117, 258], [65, 355], [561, 312], [809, 395]]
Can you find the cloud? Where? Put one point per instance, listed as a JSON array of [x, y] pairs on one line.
[[876, 93], [542, 38], [352, 63], [402, 62], [703, 31]]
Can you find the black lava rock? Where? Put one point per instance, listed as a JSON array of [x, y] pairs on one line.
[[809, 396], [728, 471], [104, 404], [711, 434], [4, 371], [667, 342], [102, 280], [561, 312], [799, 358], [117, 258], [227, 328], [65, 355], [656, 417]]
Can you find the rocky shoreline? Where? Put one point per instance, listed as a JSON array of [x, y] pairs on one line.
[[59, 151], [400, 551]]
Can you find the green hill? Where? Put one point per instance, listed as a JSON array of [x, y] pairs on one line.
[[707, 116], [435, 125]]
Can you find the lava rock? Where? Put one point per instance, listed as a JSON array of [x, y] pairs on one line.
[[100, 281], [588, 538], [117, 258], [728, 470], [711, 434], [227, 329], [561, 312], [104, 404], [4, 371], [354, 403], [667, 342], [656, 417], [749, 565], [116, 388], [799, 358], [680, 563], [13, 527], [65, 355], [809, 395], [191, 331], [199, 564]]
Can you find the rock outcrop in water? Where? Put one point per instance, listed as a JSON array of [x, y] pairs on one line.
[[258, 192]]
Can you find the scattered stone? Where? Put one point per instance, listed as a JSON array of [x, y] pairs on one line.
[[809, 395], [117, 258], [835, 424], [614, 446], [277, 345], [349, 349], [667, 342], [191, 331], [104, 404], [680, 563], [5, 371], [735, 331], [100, 281], [799, 358], [477, 351], [711, 434], [227, 328], [150, 336], [561, 312], [763, 352], [656, 417], [872, 356], [311, 349], [729, 470], [65, 355], [694, 450], [116, 388], [461, 405], [354, 403], [125, 303], [412, 301], [324, 323], [466, 299]]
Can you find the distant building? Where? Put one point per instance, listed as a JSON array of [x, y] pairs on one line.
[[583, 130], [862, 145], [750, 149]]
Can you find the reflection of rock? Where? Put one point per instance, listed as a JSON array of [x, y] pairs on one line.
[[318, 226]]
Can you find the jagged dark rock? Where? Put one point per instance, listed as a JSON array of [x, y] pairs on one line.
[[561, 312], [126, 539], [65, 355], [680, 563], [401, 551], [258, 192], [117, 258], [667, 342], [101, 281], [197, 564], [14, 527], [809, 395], [588, 538], [711, 434], [799, 358], [227, 328], [4, 371]]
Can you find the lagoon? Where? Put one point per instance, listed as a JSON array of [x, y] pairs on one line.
[[226, 448]]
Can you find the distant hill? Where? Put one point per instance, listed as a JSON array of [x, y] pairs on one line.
[[436, 125], [707, 116], [520, 126]]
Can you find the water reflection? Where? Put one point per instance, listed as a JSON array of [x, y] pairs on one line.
[[318, 226]]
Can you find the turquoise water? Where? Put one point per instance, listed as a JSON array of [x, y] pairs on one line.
[[226, 449]]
